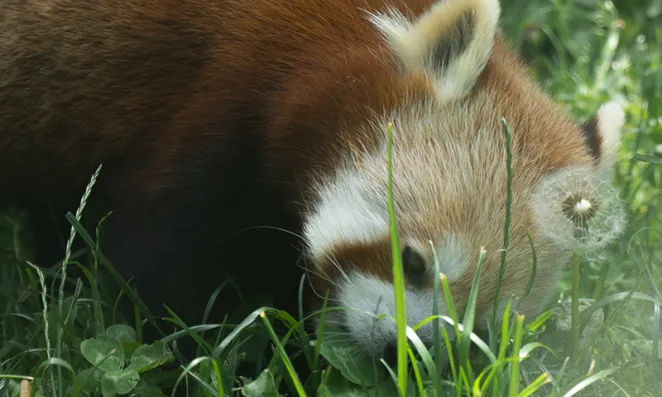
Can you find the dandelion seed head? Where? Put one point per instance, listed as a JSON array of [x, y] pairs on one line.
[[576, 209]]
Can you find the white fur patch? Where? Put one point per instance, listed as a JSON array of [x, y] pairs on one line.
[[367, 298], [611, 118], [350, 211], [415, 43]]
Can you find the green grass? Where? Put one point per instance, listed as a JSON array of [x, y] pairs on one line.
[[72, 342]]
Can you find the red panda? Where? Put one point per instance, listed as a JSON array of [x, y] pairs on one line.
[[213, 115]]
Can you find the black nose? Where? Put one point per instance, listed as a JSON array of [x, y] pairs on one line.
[[390, 355]]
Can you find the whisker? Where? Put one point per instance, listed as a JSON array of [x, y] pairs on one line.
[[248, 228]]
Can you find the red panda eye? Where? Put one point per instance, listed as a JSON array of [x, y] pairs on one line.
[[414, 266]]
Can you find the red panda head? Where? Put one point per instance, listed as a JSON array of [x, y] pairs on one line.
[[450, 179]]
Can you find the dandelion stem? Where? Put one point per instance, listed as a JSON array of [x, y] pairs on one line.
[[576, 261]]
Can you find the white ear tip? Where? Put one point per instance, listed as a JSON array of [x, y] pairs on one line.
[[494, 6], [611, 115]]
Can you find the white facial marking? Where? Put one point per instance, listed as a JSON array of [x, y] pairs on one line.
[[351, 211], [367, 298]]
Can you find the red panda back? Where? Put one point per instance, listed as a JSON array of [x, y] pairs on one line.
[[83, 84]]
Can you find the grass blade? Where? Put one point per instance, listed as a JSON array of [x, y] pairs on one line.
[[506, 226], [398, 274], [284, 357], [591, 379], [514, 370], [469, 318]]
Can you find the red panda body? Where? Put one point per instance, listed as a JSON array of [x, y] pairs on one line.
[[147, 82], [210, 116]]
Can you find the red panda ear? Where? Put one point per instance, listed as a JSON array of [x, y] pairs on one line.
[[603, 136], [451, 42]]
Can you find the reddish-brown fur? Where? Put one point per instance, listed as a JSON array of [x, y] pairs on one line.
[[188, 105]]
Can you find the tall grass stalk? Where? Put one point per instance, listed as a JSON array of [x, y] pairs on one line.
[[468, 320], [63, 279], [506, 226], [436, 323], [72, 235], [44, 302], [398, 274]]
